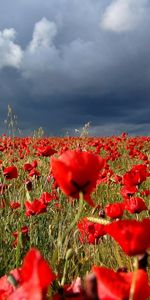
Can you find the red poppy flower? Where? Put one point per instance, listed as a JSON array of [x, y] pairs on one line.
[[34, 208], [145, 192], [76, 172], [136, 175], [14, 204], [116, 285], [6, 289], [133, 236], [46, 197], [10, 172], [28, 167], [46, 151], [128, 190], [38, 266], [34, 172], [114, 210], [90, 232], [135, 205], [35, 277]]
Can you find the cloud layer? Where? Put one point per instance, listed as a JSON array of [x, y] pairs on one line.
[[75, 62], [11, 54], [122, 16]]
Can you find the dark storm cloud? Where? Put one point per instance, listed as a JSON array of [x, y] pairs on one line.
[[72, 62]]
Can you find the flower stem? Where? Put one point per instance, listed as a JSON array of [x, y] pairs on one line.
[[81, 201], [133, 283]]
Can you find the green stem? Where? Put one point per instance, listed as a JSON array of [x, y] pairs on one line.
[[64, 273], [19, 242], [117, 255], [31, 231], [81, 201], [18, 249], [133, 283]]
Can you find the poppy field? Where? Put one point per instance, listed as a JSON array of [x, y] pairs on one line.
[[75, 218]]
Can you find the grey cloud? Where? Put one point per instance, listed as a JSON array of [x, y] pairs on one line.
[[121, 16], [73, 71]]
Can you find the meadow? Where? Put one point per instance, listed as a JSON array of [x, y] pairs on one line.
[[74, 218]]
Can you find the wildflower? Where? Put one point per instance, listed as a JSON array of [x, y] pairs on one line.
[[76, 172], [90, 232], [34, 208], [133, 236], [10, 172], [135, 205], [114, 210], [117, 285], [34, 278]]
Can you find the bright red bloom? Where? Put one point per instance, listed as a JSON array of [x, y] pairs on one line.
[[28, 167], [46, 197], [76, 172], [116, 285], [10, 172], [35, 277], [90, 232], [34, 172], [6, 289], [114, 210], [135, 205], [14, 204], [145, 192], [133, 236], [128, 190], [136, 175], [38, 266], [46, 151], [34, 208]]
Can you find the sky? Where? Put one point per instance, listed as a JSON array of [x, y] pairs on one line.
[[64, 63]]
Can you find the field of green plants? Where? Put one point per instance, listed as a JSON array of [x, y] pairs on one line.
[[74, 218]]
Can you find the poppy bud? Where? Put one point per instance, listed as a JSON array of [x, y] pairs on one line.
[[28, 184], [123, 269], [69, 254], [143, 261], [102, 214]]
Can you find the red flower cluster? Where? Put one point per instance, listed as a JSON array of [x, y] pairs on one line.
[[135, 176], [90, 232], [45, 151]]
